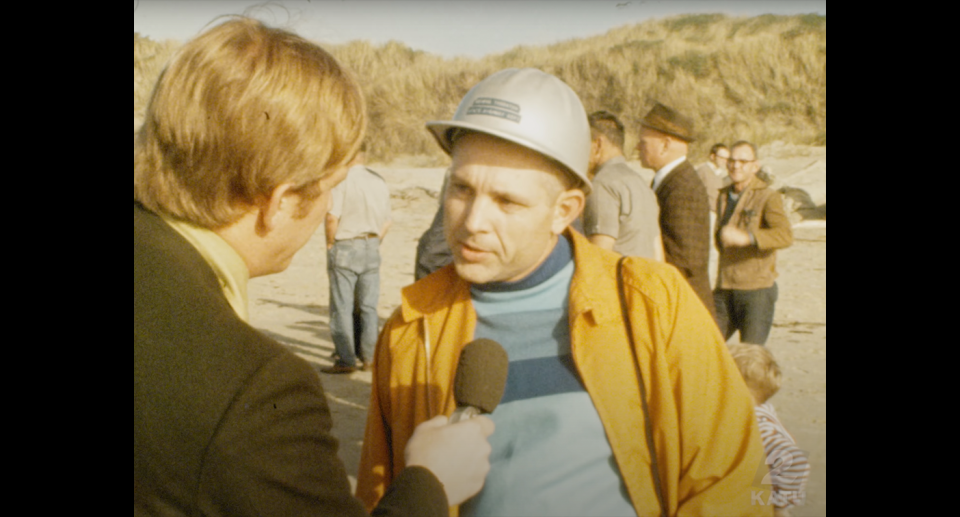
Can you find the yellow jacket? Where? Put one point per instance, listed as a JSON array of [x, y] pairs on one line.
[[705, 431]]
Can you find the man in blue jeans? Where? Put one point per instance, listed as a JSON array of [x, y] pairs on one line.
[[752, 227], [358, 220]]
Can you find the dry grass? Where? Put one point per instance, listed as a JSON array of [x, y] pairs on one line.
[[762, 79], [149, 58]]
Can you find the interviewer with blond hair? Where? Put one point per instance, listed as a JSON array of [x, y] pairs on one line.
[[247, 131]]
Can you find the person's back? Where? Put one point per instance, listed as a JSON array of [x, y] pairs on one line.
[[364, 206], [356, 225], [620, 188], [228, 422], [204, 431], [622, 213]]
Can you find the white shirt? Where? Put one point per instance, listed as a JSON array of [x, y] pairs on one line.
[[716, 170], [665, 171], [361, 202], [226, 263]]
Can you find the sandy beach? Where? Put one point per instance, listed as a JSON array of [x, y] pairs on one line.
[[293, 308]]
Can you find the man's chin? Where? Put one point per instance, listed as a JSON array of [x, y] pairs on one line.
[[474, 273], [279, 265]]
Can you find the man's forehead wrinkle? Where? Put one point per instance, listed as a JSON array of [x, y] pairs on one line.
[[475, 179]]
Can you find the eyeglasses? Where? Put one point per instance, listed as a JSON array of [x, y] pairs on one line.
[[732, 161]]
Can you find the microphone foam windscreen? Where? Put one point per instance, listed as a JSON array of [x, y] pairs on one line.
[[481, 375]]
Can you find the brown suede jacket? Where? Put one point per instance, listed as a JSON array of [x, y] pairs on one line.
[[760, 212]]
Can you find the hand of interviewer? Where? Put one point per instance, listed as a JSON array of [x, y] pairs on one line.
[[458, 454]]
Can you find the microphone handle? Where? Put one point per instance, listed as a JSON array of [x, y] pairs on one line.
[[463, 413]]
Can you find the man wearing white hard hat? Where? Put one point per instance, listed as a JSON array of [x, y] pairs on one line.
[[621, 398]]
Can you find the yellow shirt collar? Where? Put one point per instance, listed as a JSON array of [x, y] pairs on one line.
[[226, 263]]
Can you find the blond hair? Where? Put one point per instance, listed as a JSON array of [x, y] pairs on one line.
[[239, 111], [759, 369]]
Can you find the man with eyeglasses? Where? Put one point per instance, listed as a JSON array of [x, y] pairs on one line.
[[753, 226]]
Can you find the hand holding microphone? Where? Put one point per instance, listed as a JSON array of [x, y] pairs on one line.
[[458, 452]]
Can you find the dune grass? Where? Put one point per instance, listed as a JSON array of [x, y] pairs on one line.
[[762, 79], [149, 58]]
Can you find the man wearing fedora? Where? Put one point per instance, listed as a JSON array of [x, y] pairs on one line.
[[684, 205]]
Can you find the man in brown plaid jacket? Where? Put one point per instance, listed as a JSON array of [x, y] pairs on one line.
[[684, 204]]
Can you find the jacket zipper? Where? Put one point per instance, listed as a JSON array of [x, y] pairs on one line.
[[426, 346]]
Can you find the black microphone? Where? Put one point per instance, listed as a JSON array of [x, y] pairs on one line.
[[481, 379]]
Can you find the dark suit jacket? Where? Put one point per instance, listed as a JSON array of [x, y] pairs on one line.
[[227, 422], [685, 225]]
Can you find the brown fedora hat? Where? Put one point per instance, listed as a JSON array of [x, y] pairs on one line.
[[669, 121]]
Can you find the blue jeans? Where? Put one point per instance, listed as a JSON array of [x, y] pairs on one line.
[[750, 312], [354, 270]]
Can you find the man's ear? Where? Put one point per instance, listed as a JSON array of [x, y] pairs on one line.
[[596, 152], [596, 147], [567, 209], [672, 143], [273, 209]]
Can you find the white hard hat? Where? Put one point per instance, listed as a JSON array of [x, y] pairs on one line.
[[527, 107]]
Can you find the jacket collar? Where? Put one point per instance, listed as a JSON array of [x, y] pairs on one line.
[[225, 262], [668, 174], [594, 279], [432, 294], [611, 163], [755, 184]]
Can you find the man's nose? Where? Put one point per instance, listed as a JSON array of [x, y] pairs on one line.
[[476, 219]]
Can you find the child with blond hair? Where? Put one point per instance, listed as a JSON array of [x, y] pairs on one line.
[[788, 465]]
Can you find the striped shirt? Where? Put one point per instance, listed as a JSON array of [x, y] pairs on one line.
[[789, 468], [550, 453]]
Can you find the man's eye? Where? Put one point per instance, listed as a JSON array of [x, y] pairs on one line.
[[459, 190], [510, 203]]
